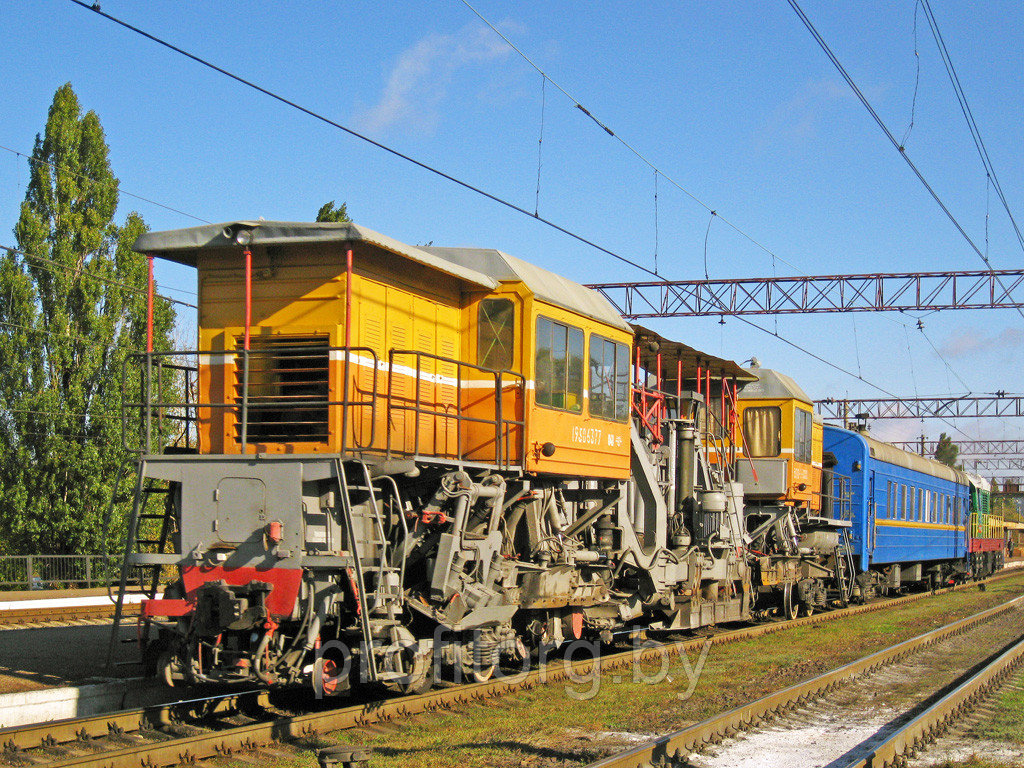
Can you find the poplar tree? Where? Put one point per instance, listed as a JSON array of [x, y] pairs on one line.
[[72, 307], [328, 212], [946, 450]]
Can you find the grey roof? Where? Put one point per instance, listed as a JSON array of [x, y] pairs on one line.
[[772, 385], [893, 455], [482, 267], [182, 245], [544, 284], [979, 482]]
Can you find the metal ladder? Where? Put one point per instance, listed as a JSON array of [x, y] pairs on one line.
[[146, 489], [378, 582]]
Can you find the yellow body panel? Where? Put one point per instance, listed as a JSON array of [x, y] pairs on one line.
[[803, 481], [399, 308], [585, 445]]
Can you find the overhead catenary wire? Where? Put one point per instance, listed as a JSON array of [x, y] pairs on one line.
[[629, 146], [658, 171], [885, 129], [362, 137], [93, 276], [972, 125], [917, 80], [540, 147], [121, 191], [464, 184]]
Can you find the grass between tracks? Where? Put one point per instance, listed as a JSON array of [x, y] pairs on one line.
[[577, 722]]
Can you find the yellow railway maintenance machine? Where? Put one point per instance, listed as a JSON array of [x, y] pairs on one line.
[[405, 461], [799, 514]]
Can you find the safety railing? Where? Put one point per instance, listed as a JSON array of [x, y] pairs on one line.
[[505, 430], [836, 495], [58, 571], [274, 394], [160, 424]]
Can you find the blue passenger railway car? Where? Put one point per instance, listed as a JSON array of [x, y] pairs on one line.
[[910, 513]]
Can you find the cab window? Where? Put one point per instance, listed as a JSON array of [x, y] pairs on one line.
[[762, 431], [802, 438], [496, 334], [559, 360], [609, 379]]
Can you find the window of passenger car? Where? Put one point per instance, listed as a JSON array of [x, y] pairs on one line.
[[802, 439], [559, 365], [762, 431], [609, 379], [496, 333]]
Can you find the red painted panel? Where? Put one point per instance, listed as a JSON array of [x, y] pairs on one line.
[[987, 545], [285, 583], [166, 608]]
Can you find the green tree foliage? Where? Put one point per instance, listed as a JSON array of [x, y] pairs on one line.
[[73, 306], [328, 212], [946, 451]]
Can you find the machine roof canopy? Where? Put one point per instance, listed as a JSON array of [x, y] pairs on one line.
[[650, 343], [183, 245], [479, 267]]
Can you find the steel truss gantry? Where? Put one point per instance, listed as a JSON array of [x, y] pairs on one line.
[[982, 448], [896, 291], [968, 406], [995, 464]]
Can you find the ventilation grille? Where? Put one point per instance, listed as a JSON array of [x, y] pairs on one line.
[[289, 389]]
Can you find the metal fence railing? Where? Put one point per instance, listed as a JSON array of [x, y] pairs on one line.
[[58, 571]]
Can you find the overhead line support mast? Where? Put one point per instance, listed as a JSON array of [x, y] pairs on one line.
[[878, 292], [980, 406]]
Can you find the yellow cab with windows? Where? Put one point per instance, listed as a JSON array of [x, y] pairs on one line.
[[360, 344], [779, 442]]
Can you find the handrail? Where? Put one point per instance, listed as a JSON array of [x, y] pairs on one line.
[[243, 405], [501, 424]]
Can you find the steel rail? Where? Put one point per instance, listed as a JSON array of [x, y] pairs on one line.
[[62, 614], [229, 740], [674, 747], [930, 724]]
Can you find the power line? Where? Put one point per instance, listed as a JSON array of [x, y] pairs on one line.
[[32, 159], [74, 336], [622, 141], [94, 276], [878, 120], [333, 123], [63, 413], [961, 98], [657, 171], [465, 185]]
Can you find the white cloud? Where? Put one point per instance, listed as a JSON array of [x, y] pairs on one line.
[[971, 341], [418, 82]]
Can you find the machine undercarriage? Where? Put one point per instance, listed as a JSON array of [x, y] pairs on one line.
[[299, 568]]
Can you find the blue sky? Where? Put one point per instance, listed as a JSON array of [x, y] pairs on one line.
[[734, 101]]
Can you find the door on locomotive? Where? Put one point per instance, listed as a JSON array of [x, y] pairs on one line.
[[798, 510], [413, 455]]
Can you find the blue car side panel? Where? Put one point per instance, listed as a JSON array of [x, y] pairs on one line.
[[886, 530], [851, 451]]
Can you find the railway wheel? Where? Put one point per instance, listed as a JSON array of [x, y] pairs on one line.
[[789, 606], [478, 675]]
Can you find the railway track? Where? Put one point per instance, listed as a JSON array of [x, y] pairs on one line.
[[221, 725], [17, 618], [878, 742]]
